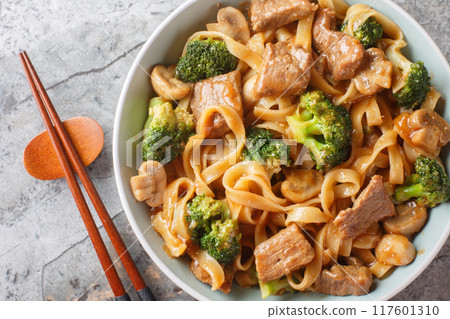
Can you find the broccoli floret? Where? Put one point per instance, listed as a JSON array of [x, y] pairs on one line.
[[417, 84], [211, 228], [205, 59], [275, 287], [166, 131], [429, 185], [202, 211], [261, 147], [369, 32], [222, 243], [185, 125], [324, 128]]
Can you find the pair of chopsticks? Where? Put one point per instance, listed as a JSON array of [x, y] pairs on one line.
[[66, 153]]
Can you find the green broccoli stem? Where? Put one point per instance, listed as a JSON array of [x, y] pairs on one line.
[[311, 124], [225, 210], [306, 125], [404, 193], [272, 287], [148, 122], [315, 148], [313, 128], [153, 102]]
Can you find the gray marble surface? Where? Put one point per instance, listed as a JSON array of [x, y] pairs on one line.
[[82, 50]]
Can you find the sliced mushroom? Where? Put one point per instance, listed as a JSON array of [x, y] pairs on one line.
[[430, 130], [301, 184], [150, 184], [231, 22], [409, 220], [395, 250], [166, 85]]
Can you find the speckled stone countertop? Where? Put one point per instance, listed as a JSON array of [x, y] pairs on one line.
[[45, 253]]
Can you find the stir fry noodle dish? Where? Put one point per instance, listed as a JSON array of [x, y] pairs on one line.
[[293, 148]]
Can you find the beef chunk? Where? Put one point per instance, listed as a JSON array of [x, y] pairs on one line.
[[375, 73], [371, 206], [344, 280], [344, 53], [222, 89], [271, 14], [286, 69], [282, 254], [204, 277]]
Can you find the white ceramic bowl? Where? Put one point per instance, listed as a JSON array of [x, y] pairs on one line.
[[164, 46]]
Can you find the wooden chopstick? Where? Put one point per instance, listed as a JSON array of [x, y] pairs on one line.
[[97, 241], [142, 290]]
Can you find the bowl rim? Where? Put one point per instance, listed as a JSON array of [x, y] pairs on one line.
[[115, 150], [120, 182]]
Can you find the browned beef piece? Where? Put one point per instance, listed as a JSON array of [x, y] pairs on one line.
[[204, 277], [222, 89], [286, 69], [282, 254], [371, 206], [344, 280], [271, 14], [375, 73], [344, 53]]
